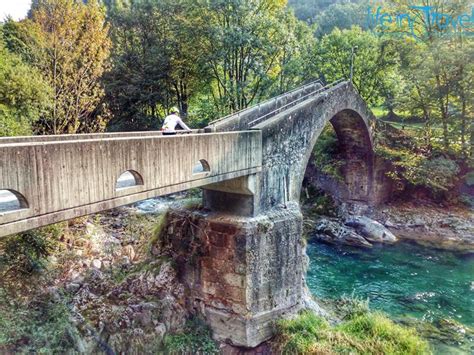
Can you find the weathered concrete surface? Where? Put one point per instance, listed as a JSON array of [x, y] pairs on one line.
[[60, 180], [85, 136], [241, 273]]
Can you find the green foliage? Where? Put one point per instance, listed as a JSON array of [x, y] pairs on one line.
[[42, 327], [350, 307], [438, 174], [343, 16], [307, 10], [158, 229], [27, 253], [67, 42], [194, 339], [326, 154], [318, 202], [249, 46], [369, 333], [24, 94], [151, 73], [375, 62]]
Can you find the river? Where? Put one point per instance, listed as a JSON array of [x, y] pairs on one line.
[[400, 280]]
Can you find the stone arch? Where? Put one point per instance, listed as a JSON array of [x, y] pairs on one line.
[[353, 134], [288, 139]]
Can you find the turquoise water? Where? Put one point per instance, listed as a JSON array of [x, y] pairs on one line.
[[401, 280]]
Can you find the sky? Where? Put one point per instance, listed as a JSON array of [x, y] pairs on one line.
[[15, 8]]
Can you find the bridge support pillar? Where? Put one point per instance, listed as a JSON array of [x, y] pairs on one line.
[[237, 196], [241, 273]]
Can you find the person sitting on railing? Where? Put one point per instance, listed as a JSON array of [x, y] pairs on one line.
[[173, 120]]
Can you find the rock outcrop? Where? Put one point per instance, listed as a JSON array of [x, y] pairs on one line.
[[445, 228], [371, 230], [333, 231], [357, 231]]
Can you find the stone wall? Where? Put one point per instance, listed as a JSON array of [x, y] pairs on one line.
[[241, 273]]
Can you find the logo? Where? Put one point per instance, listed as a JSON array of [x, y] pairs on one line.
[[423, 20]]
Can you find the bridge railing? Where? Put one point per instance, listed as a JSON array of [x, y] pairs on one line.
[[83, 136], [294, 102], [59, 180], [239, 120]]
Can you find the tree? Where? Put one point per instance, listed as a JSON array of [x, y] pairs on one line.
[[244, 40], [375, 62], [24, 95], [294, 61], [71, 47], [156, 62], [438, 71], [343, 16]]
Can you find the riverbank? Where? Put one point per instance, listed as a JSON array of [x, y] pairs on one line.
[[449, 228], [105, 287]]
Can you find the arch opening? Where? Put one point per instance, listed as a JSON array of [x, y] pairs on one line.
[[128, 179], [201, 167], [341, 161], [11, 200]]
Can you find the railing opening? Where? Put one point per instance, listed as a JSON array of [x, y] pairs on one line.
[[202, 166], [129, 178], [12, 201]]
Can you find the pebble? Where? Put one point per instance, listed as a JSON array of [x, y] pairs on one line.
[[96, 264]]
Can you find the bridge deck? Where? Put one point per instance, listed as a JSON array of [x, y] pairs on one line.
[[59, 180]]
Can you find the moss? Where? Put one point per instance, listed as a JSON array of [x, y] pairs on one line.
[[27, 253], [369, 333], [158, 228], [192, 203]]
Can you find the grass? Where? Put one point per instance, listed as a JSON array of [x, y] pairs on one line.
[[367, 333], [194, 339]]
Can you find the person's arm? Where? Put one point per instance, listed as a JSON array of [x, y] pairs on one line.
[[183, 125]]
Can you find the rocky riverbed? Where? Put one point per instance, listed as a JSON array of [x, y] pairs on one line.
[[450, 228], [444, 228]]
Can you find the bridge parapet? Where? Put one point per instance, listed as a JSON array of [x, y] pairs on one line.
[[242, 120], [59, 180]]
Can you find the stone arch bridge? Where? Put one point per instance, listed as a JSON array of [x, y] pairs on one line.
[[250, 166]]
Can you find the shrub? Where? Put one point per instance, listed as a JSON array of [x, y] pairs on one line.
[[326, 154], [350, 307], [438, 174], [27, 252], [36, 327]]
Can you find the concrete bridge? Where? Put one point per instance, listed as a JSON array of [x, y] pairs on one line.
[[250, 165]]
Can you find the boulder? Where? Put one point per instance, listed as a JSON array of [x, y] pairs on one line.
[[371, 230], [333, 232]]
